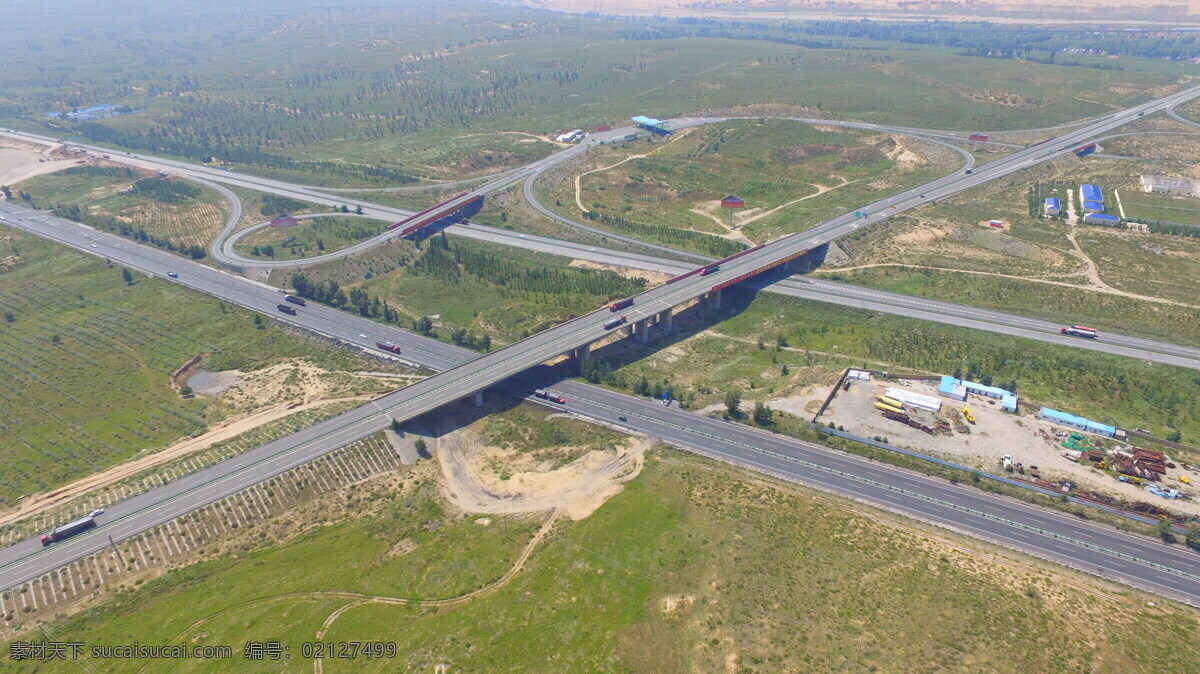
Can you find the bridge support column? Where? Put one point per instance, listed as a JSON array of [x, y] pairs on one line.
[[643, 330], [581, 352], [715, 298], [667, 318], [479, 399]]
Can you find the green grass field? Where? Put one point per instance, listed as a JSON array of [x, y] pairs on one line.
[[779, 167], [312, 236], [693, 567], [1148, 207], [88, 360]]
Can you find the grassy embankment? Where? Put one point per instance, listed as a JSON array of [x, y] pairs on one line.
[[88, 358], [312, 236], [474, 286], [693, 566]]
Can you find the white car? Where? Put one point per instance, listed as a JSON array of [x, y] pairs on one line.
[[363, 335], [97, 512]]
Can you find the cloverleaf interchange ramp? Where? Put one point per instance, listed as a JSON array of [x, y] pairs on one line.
[[1061, 538]]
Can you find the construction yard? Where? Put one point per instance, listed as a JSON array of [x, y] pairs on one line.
[[1037, 450]]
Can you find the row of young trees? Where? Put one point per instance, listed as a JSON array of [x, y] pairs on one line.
[[165, 191], [214, 147], [672, 236], [137, 233], [453, 264]]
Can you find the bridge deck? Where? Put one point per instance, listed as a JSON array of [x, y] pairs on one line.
[[417, 221]]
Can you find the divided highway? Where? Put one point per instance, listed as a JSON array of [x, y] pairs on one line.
[[1147, 563], [1172, 571]]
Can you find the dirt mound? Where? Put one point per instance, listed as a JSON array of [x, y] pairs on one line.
[[482, 479], [859, 156], [798, 154], [484, 160]]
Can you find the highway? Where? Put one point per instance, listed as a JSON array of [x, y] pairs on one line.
[[1119, 556], [461, 380], [1061, 538]]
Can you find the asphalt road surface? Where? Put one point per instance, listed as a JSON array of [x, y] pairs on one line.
[[1151, 565], [1094, 548]]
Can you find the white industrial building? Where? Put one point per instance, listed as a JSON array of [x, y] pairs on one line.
[[1182, 187], [917, 400]]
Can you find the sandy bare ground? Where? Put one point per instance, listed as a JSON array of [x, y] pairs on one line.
[[652, 277], [576, 490], [21, 164], [224, 431], [994, 435]]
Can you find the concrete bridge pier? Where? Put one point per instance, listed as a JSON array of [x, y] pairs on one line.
[[642, 330], [715, 299], [666, 318], [581, 352], [478, 397]]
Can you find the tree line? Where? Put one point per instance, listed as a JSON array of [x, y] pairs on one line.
[[452, 264], [165, 191], [110, 224], [673, 236]]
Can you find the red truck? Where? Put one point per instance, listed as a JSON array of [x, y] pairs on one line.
[[548, 395], [388, 346], [710, 269], [291, 311], [1080, 331], [68, 529], [977, 136], [621, 304]]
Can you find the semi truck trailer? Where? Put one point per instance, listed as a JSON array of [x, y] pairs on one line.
[[1080, 331], [388, 346], [609, 325], [68, 529], [291, 311], [621, 304]]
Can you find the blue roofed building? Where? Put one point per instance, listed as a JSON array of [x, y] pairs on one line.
[[1053, 206], [1090, 193], [1073, 421], [1092, 207], [650, 124], [959, 389], [1102, 219], [1008, 402]]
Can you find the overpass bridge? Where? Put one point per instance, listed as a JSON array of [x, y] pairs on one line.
[[457, 207], [573, 337], [656, 306], [462, 206]]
